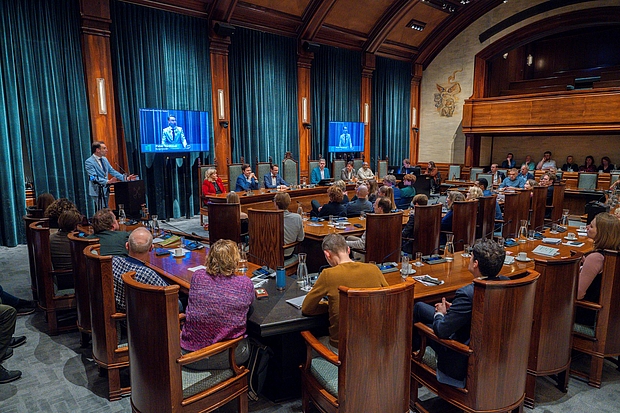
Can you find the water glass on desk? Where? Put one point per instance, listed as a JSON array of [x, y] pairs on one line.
[[405, 267], [418, 259]]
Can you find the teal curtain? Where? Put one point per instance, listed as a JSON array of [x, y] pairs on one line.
[[161, 61], [43, 99], [336, 87], [263, 97], [391, 118]]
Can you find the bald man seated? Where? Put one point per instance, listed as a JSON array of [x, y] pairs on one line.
[[361, 202]]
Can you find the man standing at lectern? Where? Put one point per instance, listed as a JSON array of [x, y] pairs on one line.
[[98, 169]]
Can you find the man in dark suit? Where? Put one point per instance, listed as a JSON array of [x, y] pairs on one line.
[[274, 180], [453, 320], [498, 176], [98, 168]]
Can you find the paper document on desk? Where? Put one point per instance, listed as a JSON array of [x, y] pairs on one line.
[[552, 241], [509, 260], [546, 251], [296, 302], [428, 281], [169, 241]]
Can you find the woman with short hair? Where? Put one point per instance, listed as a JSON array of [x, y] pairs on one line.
[[212, 184]]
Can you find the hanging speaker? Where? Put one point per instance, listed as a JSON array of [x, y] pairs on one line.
[[224, 29]]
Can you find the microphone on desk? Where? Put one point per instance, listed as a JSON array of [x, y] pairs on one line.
[[187, 234], [493, 230], [264, 263]]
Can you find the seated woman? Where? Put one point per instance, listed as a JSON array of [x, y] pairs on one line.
[[605, 231], [56, 208], [446, 221], [373, 188], [388, 192], [233, 198], [212, 184], [333, 207], [433, 172], [473, 193], [43, 201], [606, 166], [343, 187], [589, 165], [218, 306], [60, 246], [529, 184]]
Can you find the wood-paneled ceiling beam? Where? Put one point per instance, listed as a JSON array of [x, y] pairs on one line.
[[386, 24], [222, 10], [196, 8], [313, 18]]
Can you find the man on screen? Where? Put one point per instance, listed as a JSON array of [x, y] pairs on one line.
[[345, 139], [173, 136]]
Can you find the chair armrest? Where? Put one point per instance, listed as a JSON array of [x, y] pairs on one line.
[[292, 244], [208, 351], [499, 221], [588, 304], [118, 316], [451, 344], [320, 348]]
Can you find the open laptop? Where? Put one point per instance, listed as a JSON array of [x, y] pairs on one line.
[[326, 182]]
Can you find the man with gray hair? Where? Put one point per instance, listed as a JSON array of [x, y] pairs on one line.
[[139, 245], [361, 204], [343, 271]]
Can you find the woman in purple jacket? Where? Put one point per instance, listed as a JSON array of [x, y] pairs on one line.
[[218, 307]]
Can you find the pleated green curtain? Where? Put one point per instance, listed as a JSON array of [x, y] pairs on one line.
[[336, 80], [43, 100], [161, 63], [391, 118], [263, 97]]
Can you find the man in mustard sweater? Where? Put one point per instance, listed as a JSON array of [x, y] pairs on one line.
[[345, 272]]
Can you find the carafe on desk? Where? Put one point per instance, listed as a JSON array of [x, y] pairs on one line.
[[302, 273], [523, 231], [448, 251]]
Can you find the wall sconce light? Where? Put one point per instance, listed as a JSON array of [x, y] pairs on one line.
[[221, 112], [530, 60], [366, 113], [307, 125], [101, 96], [414, 121], [505, 56], [304, 110], [224, 124]]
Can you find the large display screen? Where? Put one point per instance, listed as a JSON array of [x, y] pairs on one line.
[[163, 131], [346, 137]]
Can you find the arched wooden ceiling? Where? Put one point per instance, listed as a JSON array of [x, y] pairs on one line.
[[372, 26]]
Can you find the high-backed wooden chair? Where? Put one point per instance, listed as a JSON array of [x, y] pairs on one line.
[[587, 180], [290, 169], [488, 177], [485, 222], [501, 324], [539, 207], [382, 168], [426, 229], [614, 176], [550, 345], [383, 237], [80, 281], [202, 174], [109, 352], [234, 170], [224, 222], [558, 201], [54, 301], [354, 380], [516, 208], [30, 246], [262, 169], [266, 230], [159, 379], [464, 218], [603, 338], [337, 166], [454, 172], [474, 172]]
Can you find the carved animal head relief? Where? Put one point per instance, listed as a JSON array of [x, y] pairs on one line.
[[447, 96]]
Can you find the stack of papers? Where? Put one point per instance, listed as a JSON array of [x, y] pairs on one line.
[[552, 241], [296, 302], [169, 241], [509, 260], [546, 251]]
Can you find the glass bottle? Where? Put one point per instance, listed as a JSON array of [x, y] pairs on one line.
[[300, 210], [523, 231], [122, 217], [448, 252], [302, 273], [155, 226]]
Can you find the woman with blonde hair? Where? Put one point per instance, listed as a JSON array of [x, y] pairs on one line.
[[212, 184], [217, 307], [233, 198], [474, 193], [388, 192]]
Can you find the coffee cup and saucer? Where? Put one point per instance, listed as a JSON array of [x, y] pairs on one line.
[[178, 253], [570, 236], [522, 257]]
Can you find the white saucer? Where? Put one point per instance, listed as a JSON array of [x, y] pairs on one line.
[[314, 224], [528, 259], [571, 239], [411, 271]]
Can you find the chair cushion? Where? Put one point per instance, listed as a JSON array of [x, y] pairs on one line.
[[584, 329], [326, 374], [196, 381], [290, 260], [430, 358]]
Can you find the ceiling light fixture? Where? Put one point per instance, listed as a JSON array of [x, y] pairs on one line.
[[416, 25]]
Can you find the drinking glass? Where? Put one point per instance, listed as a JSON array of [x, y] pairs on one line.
[[122, 218], [155, 226], [182, 243], [466, 249], [363, 215], [242, 266], [331, 220], [418, 259], [405, 267], [500, 241], [565, 216], [530, 235]]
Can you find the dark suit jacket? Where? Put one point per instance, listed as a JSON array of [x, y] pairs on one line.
[[279, 181], [243, 184], [333, 208]]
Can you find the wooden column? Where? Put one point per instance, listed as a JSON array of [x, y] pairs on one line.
[[304, 108], [414, 134], [97, 60], [368, 67], [472, 149], [220, 96]]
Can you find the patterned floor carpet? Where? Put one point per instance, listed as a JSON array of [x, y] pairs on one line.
[[59, 376]]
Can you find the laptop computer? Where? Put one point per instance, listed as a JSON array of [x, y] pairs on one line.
[[326, 182]]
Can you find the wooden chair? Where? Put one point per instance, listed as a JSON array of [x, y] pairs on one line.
[[383, 237], [55, 302], [516, 208], [464, 223], [159, 379], [382, 168], [357, 163], [454, 172], [603, 338], [109, 352], [290, 169], [266, 230], [558, 202], [262, 169], [80, 281], [551, 341], [497, 357], [587, 180], [313, 163], [371, 371], [234, 170], [488, 177], [224, 222], [337, 166], [426, 229], [539, 207], [474, 172], [30, 245], [614, 176], [202, 171], [485, 222]]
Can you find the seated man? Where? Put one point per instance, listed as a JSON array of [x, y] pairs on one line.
[[547, 180], [360, 204], [524, 173], [419, 199], [407, 168], [570, 165], [274, 180], [8, 342], [390, 180], [345, 272], [453, 320], [512, 180], [139, 245], [106, 228], [498, 176], [60, 246], [247, 180], [382, 206], [333, 207], [408, 191], [293, 224], [483, 184], [347, 173], [365, 173], [23, 307], [546, 162], [320, 172]]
